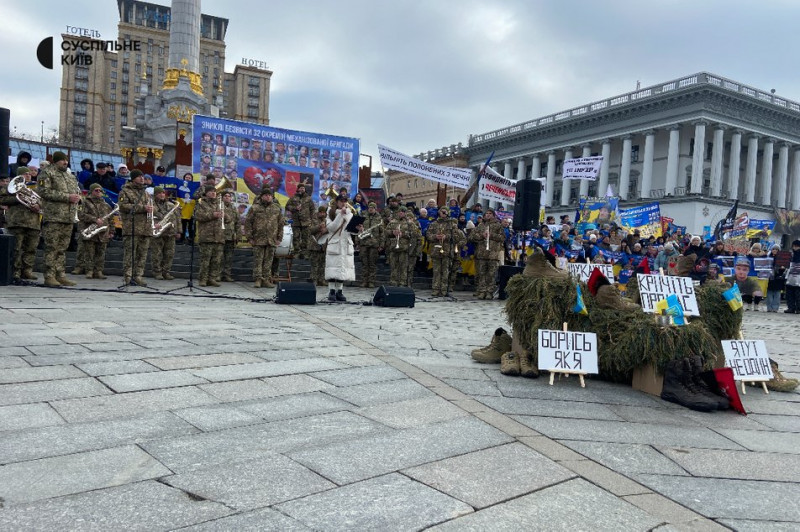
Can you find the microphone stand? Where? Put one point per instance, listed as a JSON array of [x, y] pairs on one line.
[[129, 281], [190, 282]]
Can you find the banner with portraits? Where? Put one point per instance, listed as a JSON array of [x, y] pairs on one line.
[[252, 155]]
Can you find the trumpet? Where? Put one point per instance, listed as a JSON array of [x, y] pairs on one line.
[[368, 233], [94, 228], [25, 195], [397, 245], [165, 226]]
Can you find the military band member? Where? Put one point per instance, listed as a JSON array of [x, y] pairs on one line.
[[414, 247], [370, 246], [162, 247], [390, 212], [263, 228], [137, 230], [398, 236], [315, 250], [23, 223], [445, 240], [302, 209], [233, 228], [209, 215], [60, 195], [488, 238], [94, 210]]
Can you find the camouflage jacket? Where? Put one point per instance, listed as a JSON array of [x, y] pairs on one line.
[[453, 236], [389, 214], [55, 186], [406, 234], [302, 209], [497, 238], [162, 208], [264, 224], [134, 199], [18, 215], [375, 224], [233, 225], [91, 210], [315, 232], [209, 227]]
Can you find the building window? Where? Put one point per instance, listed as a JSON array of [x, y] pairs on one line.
[[113, 96], [111, 129], [136, 89], [81, 97], [160, 50], [79, 119], [253, 81], [252, 101], [113, 86], [205, 69], [112, 107], [543, 170], [79, 131], [81, 73], [253, 91], [123, 121], [559, 165], [635, 153], [113, 74], [252, 113], [160, 72], [125, 67], [112, 117], [81, 85], [138, 68], [113, 63], [125, 77]]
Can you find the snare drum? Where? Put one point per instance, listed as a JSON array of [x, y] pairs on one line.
[[285, 247]]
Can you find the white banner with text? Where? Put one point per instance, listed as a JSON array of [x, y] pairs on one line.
[[394, 160]]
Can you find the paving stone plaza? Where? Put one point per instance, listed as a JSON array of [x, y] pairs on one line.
[[144, 411]]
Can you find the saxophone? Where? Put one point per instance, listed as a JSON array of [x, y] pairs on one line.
[[94, 228], [163, 227]]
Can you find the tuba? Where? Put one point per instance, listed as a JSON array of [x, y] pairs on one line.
[[94, 229], [25, 195]]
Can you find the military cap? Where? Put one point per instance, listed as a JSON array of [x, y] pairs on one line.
[[23, 170], [403, 208], [136, 173], [59, 156], [372, 204], [322, 208], [208, 188], [94, 186], [266, 189], [156, 190]]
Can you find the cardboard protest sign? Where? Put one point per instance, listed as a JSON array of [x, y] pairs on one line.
[[748, 359], [653, 288], [582, 271], [567, 351]]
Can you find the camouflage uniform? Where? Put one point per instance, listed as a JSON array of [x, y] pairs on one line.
[[389, 214], [80, 257], [303, 210], [23, 223], [315, 251], [414, 249], [487, 261], [397, 251], [95, 247], [162, 248], [443, 255], [136, 230], [369, 247], [233, 228], [264, 229], [211, 238], [55, 186]]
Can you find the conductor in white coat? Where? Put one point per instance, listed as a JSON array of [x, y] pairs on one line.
[[339, 265]]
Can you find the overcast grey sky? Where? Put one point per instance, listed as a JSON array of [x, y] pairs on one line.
[[417, 75]]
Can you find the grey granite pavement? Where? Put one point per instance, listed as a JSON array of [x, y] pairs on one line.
[[144, 411]]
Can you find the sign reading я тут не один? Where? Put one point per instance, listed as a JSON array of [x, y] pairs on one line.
[[748, 359]]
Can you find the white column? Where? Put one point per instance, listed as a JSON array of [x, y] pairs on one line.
[[625, 168], [565, 185], [508, 173], [551, 177], [647, 166], [782, 176], [699, 157], [795, 203], [522, 168], [672, 160], [587, 152], [602, 185], [750, 169], [734, 164], [536, 167], [716, 161], [766, 172]]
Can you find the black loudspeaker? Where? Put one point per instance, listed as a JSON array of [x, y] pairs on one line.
[[504, 274], [394, 296], [5, 117], [296, 293], [526, 205], [7, 259]]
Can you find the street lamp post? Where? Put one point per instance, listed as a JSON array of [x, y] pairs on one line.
[[42, 131]]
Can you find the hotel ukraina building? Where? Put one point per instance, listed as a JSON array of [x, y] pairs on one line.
[[693, 144]]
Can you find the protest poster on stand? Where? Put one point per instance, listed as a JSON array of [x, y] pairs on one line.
[[568, 351], [653, 288], [748, 359], [582, 271]]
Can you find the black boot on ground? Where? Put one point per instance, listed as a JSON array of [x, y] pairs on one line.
[[332, 296], [696, 364], [340, 296], [675, 388]]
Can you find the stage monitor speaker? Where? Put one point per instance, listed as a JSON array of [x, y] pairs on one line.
[[296, 293], [505, 273], [394, 296], [527, 204], [7, 259]]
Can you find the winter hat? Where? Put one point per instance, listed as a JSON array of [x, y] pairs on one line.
[[94, 186], [23, 170], [156, 190], [59, 156], [372, 204], [136, 173]]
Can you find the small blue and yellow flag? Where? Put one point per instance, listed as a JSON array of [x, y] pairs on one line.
[[580, 307], [671, 307], [733, 297]]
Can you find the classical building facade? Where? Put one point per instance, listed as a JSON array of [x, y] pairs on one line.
[[98, 100], [693, 144]]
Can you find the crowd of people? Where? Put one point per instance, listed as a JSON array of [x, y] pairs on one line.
[[452, 244]]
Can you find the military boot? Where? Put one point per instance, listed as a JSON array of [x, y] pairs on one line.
[[225, 278], [678, 387], [500, 343], [527, 366], [61, 278], [49, 280], [696, 365], [213, 282], [168, 276], [99, 275], [780, 383], [509, 364], [267, 283], [257, 283], [203, 282], [89, 275], [158, 276], [139, 281], [78, 270], [29, 276]]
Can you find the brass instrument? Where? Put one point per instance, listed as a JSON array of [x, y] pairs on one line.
[[331, 193], [397, 245], [164, 227], [221, 206], [366, 234], [223, 184], [95, 229], [151, 214], [487, 237], [25, 195], [74, 206]]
